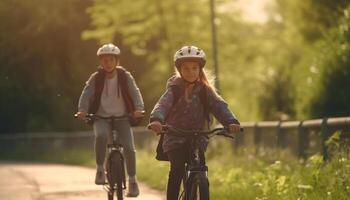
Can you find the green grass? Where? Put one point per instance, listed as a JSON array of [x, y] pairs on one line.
[[281, 180], [151, 171], [275, 176]]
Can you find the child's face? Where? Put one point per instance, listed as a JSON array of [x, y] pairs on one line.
[[190, 70], [108, 62]]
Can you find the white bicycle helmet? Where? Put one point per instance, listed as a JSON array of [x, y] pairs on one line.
[[108, 49], [189, 52]]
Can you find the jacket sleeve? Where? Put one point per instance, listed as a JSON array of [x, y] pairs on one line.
[[87, 95], [135, 93], [163, 106], [219, 108]]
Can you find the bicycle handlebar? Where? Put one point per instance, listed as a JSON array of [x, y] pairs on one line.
[[223, 131], [92, 117]]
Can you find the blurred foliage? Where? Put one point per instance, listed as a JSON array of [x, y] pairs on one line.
[[294, 66], [153, 29], [334, 79], [42, 61]]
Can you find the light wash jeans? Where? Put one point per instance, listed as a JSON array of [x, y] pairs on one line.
[[102, 129]]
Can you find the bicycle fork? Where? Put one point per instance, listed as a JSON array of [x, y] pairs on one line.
[[193, 173]]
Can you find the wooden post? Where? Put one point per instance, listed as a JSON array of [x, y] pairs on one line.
[[280, 136], [324, 137], [303, 141], [257, 137], [214, 45], [238, 141]]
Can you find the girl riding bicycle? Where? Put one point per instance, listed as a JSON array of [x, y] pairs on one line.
[[186, 104], [112, 91]]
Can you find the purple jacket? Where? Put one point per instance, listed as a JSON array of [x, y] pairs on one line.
[[188, 116]]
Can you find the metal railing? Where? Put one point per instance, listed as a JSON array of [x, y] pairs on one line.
[[301, 137], [302, 134]]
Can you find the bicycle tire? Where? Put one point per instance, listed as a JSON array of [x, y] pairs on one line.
[[115, 173], [110, 196], [197, 187]]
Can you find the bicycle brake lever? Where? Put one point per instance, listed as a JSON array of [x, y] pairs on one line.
[[228, 135]]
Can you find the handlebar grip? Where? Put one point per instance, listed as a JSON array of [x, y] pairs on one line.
[[241, 129], [164, 128]]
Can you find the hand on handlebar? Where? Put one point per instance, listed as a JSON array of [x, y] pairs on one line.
[[81, 115], [139, 113], [155, 126]]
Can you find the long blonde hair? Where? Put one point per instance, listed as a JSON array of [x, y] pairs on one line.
[[206, 77]]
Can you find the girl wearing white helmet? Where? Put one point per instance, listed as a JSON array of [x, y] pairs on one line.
[[186, 104], [112, 91]]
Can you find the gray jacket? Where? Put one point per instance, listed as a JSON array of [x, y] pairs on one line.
[[87, 94]]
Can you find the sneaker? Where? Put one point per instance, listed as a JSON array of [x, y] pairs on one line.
[[133, 190], [100, 177]]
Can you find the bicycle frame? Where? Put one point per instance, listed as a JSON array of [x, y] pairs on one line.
[[115, 149], [115, 146], [195, 169]]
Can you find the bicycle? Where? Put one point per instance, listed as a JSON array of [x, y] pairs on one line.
[[115, 170], [195, 183]]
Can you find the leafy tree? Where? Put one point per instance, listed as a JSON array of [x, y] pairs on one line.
[[40, 63], [304, 26], [331, 98], [154, 29]]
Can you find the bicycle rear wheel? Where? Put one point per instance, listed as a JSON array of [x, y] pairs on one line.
[[197, 187], [115, 174]]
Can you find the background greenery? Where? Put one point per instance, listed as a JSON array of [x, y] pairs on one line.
[[294, 66]]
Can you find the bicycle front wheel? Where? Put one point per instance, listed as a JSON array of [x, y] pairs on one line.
[[115, 173], [197, 187]]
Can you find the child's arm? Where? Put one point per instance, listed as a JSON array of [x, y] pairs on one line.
[[219, 108], [86, 95], [161, 109], [135, 93], [165, 102]]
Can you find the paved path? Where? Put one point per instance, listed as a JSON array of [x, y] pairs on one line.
[[56, 182]]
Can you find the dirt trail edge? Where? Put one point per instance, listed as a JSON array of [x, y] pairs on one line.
[[56, 182]]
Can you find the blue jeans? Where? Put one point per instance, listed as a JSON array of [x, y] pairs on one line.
[[102, 130]]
